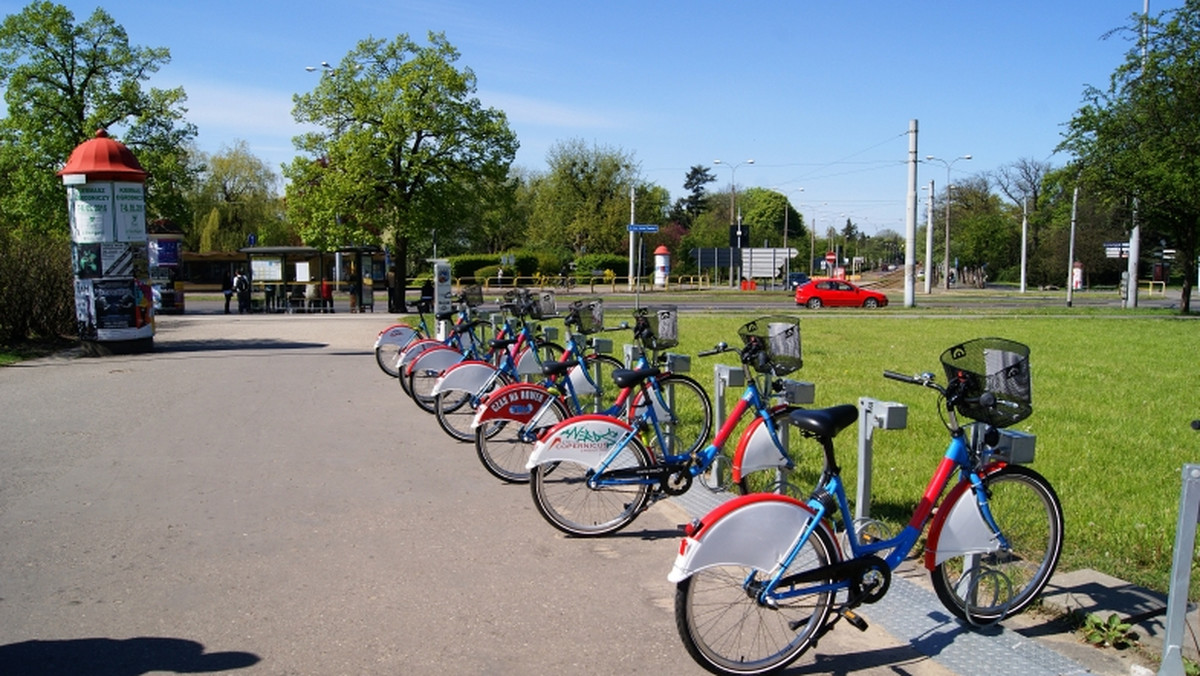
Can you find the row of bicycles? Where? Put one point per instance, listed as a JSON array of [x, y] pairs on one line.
[[762, 577]]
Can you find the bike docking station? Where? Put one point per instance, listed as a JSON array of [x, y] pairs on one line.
[[873, 414], [1181, 569]]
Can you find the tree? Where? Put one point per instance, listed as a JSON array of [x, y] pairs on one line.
[[582, 202], [402, 149], [687, 208], [1140, 138], [237, 195], [63, 81]]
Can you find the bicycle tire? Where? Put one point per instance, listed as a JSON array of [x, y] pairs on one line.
[[419, 346], [727, 631], [505, 451], [387, 353], [420, 388], [455, 410], [562, 495], [797, 482], [1030, 517], [688, 423]]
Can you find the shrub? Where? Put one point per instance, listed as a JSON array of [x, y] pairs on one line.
[[467, 264], [585, 264], [37, 292]]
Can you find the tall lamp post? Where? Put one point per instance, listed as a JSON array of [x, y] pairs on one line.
[[948, 165], [733, 210]]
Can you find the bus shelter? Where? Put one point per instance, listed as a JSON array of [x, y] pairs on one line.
[[283, 278]]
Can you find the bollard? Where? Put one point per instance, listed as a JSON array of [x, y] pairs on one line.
[[872, 415]]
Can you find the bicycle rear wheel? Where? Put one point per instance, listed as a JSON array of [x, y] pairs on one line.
[[986, 588], [563, 497], [727, 630], [600, 367], [506, 449]]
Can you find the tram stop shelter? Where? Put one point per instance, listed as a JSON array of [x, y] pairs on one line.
[[280, 276]]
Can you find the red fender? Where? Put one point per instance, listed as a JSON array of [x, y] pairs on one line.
[[943, 512]]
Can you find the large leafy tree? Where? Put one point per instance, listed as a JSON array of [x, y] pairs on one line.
[[401, 151], [64, 80], [237, 195], [1140, 138], [581, 203]]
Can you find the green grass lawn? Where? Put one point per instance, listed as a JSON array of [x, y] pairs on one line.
[[1113, 396]]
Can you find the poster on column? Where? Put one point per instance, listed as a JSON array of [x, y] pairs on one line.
[[129, 212], [85, 306], [90, 212], [122, 309]]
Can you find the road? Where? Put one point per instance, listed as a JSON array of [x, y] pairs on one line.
[[256, 497]]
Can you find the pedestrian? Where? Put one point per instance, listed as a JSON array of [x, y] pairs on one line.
[[227, 289], [326, 295], [354, 291], [241, 286]]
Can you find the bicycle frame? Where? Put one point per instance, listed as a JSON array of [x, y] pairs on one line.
[[779, 526]]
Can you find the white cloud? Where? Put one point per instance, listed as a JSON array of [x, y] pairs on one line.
[[523, 110]]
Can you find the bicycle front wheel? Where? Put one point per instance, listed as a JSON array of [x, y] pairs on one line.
[[505, 448], [796, 482], [986, 588], [684, 411], [455, 411], [726, 629], [564, 498]]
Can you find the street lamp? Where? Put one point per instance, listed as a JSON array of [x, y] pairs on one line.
[[733, 207], [946, 262]]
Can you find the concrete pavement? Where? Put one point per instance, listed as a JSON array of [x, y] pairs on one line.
[[257, 497]]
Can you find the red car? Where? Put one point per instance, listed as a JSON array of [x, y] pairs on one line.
[[837, 293]]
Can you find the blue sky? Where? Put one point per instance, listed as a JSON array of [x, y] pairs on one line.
[[819, 94]]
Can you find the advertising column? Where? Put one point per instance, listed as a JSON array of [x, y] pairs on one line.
[[107, 211]]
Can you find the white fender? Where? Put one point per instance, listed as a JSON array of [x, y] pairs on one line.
[[584, 440], [516, 402], [435, 360], [396, 334], [466, 376], [964, 531], [528, 364], [414, 349], [757, 450], [579, 381], [754, 530]]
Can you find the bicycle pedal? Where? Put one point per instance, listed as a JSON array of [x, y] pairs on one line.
[[854, 619]]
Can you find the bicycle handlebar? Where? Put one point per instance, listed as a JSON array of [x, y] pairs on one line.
[[717, 349]]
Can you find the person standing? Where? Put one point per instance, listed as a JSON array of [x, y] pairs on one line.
[[227, 289], [241, 286]]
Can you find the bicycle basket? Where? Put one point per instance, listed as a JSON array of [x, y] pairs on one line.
[[591, 315], [542, 305], [778, 338], [472, 296], [994, 365], [661, 326]]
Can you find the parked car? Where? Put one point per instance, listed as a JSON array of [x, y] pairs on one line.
[[837, 293], [796, 279]]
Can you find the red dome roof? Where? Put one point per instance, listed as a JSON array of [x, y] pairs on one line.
[[104, 159], [662, 249]]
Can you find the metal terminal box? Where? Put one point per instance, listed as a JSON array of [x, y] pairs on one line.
[[1015, 447], [550, 333], [602, 345], [678, 363], [730, 376], [890, 415], [632, 354], [797, 392]]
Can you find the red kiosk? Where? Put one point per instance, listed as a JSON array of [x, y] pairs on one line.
[[106, 205]]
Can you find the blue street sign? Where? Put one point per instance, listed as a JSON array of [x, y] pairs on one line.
[[637, 227]]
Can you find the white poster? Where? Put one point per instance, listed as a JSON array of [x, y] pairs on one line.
[[130, 212], [90, 212]]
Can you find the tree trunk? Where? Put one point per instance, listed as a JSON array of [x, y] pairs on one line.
[[400, 279]]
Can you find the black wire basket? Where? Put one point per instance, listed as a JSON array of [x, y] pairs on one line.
[[997, 366], [542, 305], [775, 344], [472, 295], [658, 327], [590, 315]]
